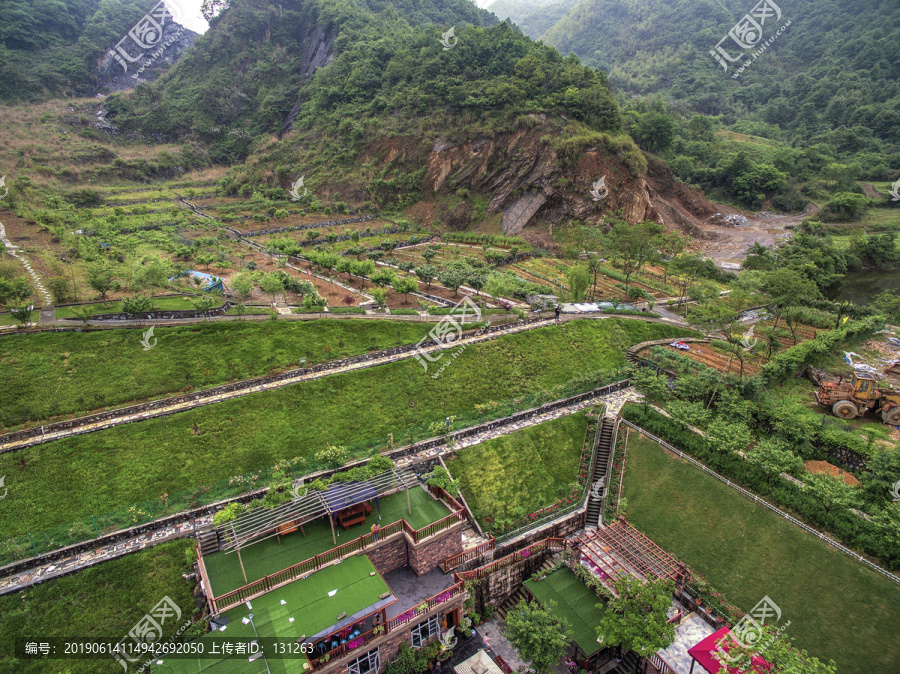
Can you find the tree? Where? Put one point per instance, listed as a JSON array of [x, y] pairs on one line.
[[637, 619], [579, 279], [102, 279], [59, 288], [832, 491], [335, 455], [538, 635], [204, 259], [426, 274], [723, 316], [775, 457], [272, 284], [379, 295], [15, 291], [404, 286], [243, 284], [345, 266], [429, 254], [729, 436], [383, 277], [137, 304], [363, 268], [772, 647], [632, 245], [83, 313], [670, 246], [452, 277], [22, 315], [203, 303]]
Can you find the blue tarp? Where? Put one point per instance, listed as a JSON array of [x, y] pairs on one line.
[[345, 494], [212, 282]]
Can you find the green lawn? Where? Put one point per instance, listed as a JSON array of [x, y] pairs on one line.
[[511, 476], [7, 319], [270, 556], [302, 608], [838, 608], [61, 481], [159, 304], [104, 601], [50, 374]]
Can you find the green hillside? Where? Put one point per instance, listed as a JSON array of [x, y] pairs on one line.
[[828, 83]]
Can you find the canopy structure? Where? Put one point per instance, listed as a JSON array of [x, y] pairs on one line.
[[712, 657], [621, 549], [261, 524]]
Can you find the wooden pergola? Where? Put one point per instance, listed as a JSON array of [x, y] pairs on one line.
[[621, 549], [261, 524]]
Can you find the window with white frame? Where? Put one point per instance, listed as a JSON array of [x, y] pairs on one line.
[[426, 629], [370, 662]]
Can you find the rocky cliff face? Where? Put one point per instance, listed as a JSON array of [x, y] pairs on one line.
[[116, 72], [532, 188]]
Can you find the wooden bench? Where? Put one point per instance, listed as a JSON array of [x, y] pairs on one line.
[[353, 515], [289, 528]]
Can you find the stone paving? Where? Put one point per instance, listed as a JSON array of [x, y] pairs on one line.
[[90, 558], [692, 630], [34, 276]]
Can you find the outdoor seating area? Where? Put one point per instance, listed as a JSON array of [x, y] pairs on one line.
[[276, 553]]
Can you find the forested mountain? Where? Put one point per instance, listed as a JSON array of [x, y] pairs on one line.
[[382, 108], [831, 77], [534, 17], [50, 48]]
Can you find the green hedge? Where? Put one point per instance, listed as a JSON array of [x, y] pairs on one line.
[[630, 312], [346, 310], [798, 357], [847, 527], [404, 312]]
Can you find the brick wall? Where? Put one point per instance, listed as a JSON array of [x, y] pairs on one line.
[[389, 555], [427, 556]]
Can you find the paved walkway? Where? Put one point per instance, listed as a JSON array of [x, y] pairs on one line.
[[31, 272], [90, 558]]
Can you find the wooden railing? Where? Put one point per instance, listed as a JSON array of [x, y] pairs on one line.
[[205, 577], [660, 664], [467, 555], [426, 606], [344, 649], [267, 583], [517, 556]]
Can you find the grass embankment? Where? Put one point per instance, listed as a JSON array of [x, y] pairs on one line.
[[126, 464], [104, 601], [838, 608], [511, 476], [51, 374]]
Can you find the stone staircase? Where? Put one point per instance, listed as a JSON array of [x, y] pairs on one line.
[[514, 599], [601, 463]]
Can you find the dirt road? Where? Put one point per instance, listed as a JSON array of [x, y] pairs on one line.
[[728, 244]]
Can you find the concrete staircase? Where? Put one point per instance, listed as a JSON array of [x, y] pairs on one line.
[[514, 599], [601, 463], [208, 540]]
